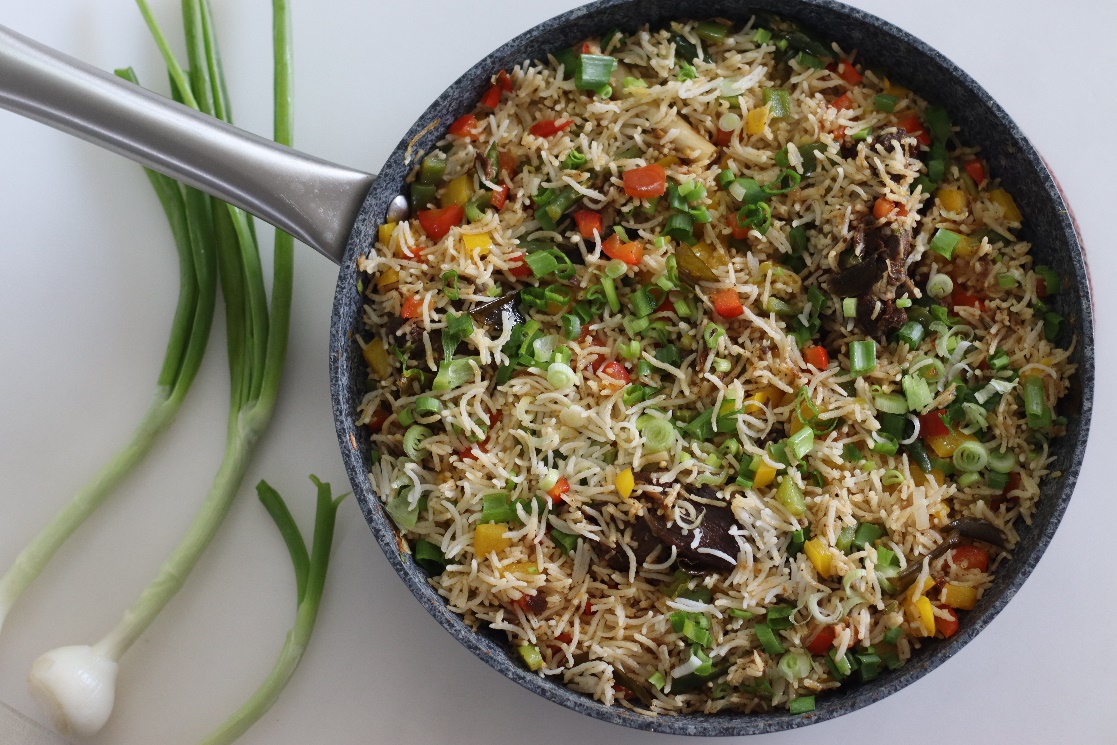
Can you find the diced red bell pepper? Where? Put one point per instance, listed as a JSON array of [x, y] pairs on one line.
[[472, 452], [615, 373], [466, 126], [492, 96], [976, 169], [667, 306], [848, 73], [822, 641], [588, 610], [376, 421], [549, 127], [961, 297], [843, 101], [1041, 287], [588, 221], [932, 424], [437, 223], [630, 253], [727, 303], [564, 637], [505, 163], [412, 307], [561, 487], [1012, 485], [517, 267], [646, 182], [817, 356], [739, 232], [723, 137], [970, 557], [504, 80], [586, 48], [914, 127], [499, 197], [947, 626]]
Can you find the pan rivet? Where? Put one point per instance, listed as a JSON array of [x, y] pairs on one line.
[[398, 210]]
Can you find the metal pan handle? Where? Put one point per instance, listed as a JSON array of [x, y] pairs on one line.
[[312, 199]]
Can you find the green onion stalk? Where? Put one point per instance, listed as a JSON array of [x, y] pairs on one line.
[[188, 215], [310, 578], [76, 685]]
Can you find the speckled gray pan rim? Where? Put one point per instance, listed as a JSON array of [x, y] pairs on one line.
[[909, 61]]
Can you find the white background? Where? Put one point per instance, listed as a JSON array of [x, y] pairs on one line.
[[88, 283]]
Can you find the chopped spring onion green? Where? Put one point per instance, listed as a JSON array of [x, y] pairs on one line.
[[571, 326], [560, 375], [711, 31], [594, 71], [944, 242], [971, 457], [610, 290], [450, 285], [621, 233], [432, 169], [1051, 324], [406, 417], [629, 350], [778, 102], [549, 480], [453, 373], [891, 403], [996, 480], [852, 454], [1050, 278], [429, 557], [712, 335], [866, 534], [574, 160], [892, 477], [1035, 403], [911, 333], [427, 405], [903, 302], [801, 705], [795, 664], [768, 639], [615, 268], [413, 441], [729, 122], [849, 307], [725, 177], [939, 286], [762, 36], [657, 681], [658, 434], [687, 72], [1001, 462], [679, 226], [917, 391], [967, 480], [800, 443], [862, 356], [722, 365], [845, 539], [1007, 281], [779, 307], [642, 302], [999, 359]]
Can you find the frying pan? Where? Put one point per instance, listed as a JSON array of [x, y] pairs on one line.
[[336, 211]]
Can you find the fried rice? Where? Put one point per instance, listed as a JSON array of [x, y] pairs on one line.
[[708, 469]]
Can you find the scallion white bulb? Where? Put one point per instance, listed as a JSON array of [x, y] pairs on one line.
[[75, 687]]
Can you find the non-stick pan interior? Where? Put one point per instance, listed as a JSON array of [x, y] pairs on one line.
[[908, 61]]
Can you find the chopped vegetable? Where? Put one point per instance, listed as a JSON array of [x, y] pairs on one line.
[[959, 596], [630, 253], [645, 182], [862, 356], [727, 303], [589, 223], [816, 356], [819, 556], [550, 127], [625, 483], [466, 127], [489, 537], [437, 223]]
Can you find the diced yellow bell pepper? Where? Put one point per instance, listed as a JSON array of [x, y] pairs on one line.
[[892, 89], [928, 583], [387, 280], [670, 160], [385, 232], [819, 556], [757, 121], [966, 247], [625, 483], [377, 358], [765, 475], [1007, 203], [945, 445], [458, 191], [959, 596], [951, 200], [922, 479], [478, 244], [713, 256], [520, 567], [490, 537], [926, 615]]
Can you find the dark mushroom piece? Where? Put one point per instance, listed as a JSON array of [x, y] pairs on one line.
[[713, 534], [642, 542], [500, 313], [961, 531], [875, 279]]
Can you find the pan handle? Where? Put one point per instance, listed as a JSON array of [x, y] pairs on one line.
[[312, 199]]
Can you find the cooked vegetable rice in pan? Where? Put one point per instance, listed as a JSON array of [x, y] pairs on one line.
[[710, 369]]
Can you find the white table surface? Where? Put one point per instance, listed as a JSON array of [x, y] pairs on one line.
[[87, 289]]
